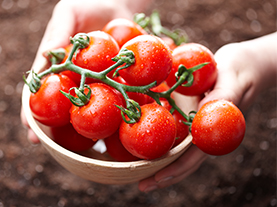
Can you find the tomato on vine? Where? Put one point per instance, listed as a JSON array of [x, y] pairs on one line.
[[100, 117], [191, 55], [123, 30], [48, 105], [97, 56], [153, 61], [218, 127], [152, 136]]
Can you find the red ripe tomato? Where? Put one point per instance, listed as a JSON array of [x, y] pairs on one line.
[[67, 137], [99, 118], [123, 30], [98, 55], [182, 129], [48, 105], [152, 136], [153, 61], [116, 150], [218, 127], [190, 55]]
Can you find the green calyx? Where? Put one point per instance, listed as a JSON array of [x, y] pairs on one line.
[[81, 99], [81, 39], [126, 57], [185, 74], [56, 56], [133, 112], [34, 84]]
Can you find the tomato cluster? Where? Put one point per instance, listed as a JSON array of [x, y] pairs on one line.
[[110, 103]]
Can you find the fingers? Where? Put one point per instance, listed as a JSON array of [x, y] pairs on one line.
[[188, 163]]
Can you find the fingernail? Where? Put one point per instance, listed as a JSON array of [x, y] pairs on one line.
[[150, 188], [165, 179]]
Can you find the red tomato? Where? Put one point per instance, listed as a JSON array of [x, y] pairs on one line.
[[218, 127], [117, 150], [67, 137], [98, 55], [99, 118], [152, 136], [190, 55], [123, 30], [153, 61], [48, 105], [182, 129]]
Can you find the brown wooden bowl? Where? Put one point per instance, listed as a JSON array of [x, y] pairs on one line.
[[98, 167]]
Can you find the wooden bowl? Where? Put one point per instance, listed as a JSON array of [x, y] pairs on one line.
[[95, 166]]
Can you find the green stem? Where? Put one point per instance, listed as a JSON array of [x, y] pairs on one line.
[[173, 104]]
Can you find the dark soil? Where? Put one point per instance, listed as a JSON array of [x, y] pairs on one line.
[[29, 176]]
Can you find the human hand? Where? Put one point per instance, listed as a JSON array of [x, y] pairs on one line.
[[244, 69], [70, 17]]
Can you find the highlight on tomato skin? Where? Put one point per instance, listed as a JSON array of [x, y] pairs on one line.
[[218, 127]]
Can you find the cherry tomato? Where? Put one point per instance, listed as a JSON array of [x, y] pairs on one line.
[[218, 127], [153, 61], [152, 136], [123, 30], [116, 150], [190, 55], [99, 118], [48, 105], [98, 55], [67, 137]]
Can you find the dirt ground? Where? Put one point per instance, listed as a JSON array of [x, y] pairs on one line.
[[29, 176]]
